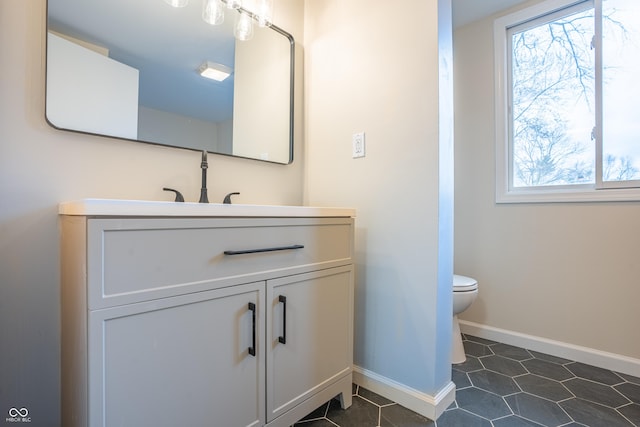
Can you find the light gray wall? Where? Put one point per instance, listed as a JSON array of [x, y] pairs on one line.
[[565, 272], [367, 71], [40, 167]]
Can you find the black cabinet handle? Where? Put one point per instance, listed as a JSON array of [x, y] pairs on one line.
[[283, 338], [252, 349], [255, 251]]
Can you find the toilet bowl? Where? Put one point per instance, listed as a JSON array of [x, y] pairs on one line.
[[465, 291]]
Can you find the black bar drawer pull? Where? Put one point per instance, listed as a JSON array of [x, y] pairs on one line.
[[283, 338], [255, 251], [252, 349]]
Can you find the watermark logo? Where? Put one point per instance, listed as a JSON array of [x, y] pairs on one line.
[[18, 415]]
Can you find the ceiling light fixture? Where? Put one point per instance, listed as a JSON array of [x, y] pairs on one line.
[[177, 3], [260, 10], [264, 13], [213, 71], [213, 13], [244, 27]]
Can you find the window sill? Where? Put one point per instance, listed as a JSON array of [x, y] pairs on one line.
[[568, 195]]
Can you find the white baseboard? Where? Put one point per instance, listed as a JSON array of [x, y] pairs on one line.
[[589, 356], [417, 401]]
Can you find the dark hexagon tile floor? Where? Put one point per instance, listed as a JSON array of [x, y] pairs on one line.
[[505, 386]]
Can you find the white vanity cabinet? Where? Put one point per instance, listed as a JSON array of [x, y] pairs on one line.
[[309, 336], [204, 320], [178, 361]]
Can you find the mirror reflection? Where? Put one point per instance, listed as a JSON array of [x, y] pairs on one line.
[[135, 70]]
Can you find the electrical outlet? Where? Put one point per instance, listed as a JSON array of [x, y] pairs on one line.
[[358, 145]]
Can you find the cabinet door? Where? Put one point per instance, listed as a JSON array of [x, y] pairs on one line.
[[310, 340], [181, 361]]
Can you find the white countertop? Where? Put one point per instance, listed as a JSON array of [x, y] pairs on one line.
[[115, 207]]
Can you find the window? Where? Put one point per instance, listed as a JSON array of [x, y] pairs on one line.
[[568, 102]]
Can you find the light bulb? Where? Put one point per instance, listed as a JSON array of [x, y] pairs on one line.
[[213, 12], [244, 27], [264, 13], [234, 4], [177, 3]]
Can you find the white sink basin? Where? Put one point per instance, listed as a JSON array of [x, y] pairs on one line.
[[116, 207]]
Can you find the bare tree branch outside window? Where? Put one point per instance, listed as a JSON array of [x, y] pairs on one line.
[[553, 81]]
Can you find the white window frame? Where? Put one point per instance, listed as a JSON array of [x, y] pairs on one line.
[[566, 193]]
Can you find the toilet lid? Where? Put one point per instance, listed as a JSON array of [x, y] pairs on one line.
[[464, 283]]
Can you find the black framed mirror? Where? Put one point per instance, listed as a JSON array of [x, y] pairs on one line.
[[131, 69]]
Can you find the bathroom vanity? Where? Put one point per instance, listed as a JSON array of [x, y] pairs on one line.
[[204, 315]]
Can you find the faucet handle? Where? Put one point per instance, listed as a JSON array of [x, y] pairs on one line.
[[227, 198], [179, 197]]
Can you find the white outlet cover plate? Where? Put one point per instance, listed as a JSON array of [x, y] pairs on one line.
[[358, 141]]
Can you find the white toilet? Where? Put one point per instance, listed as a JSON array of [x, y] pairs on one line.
[[465, 291]]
